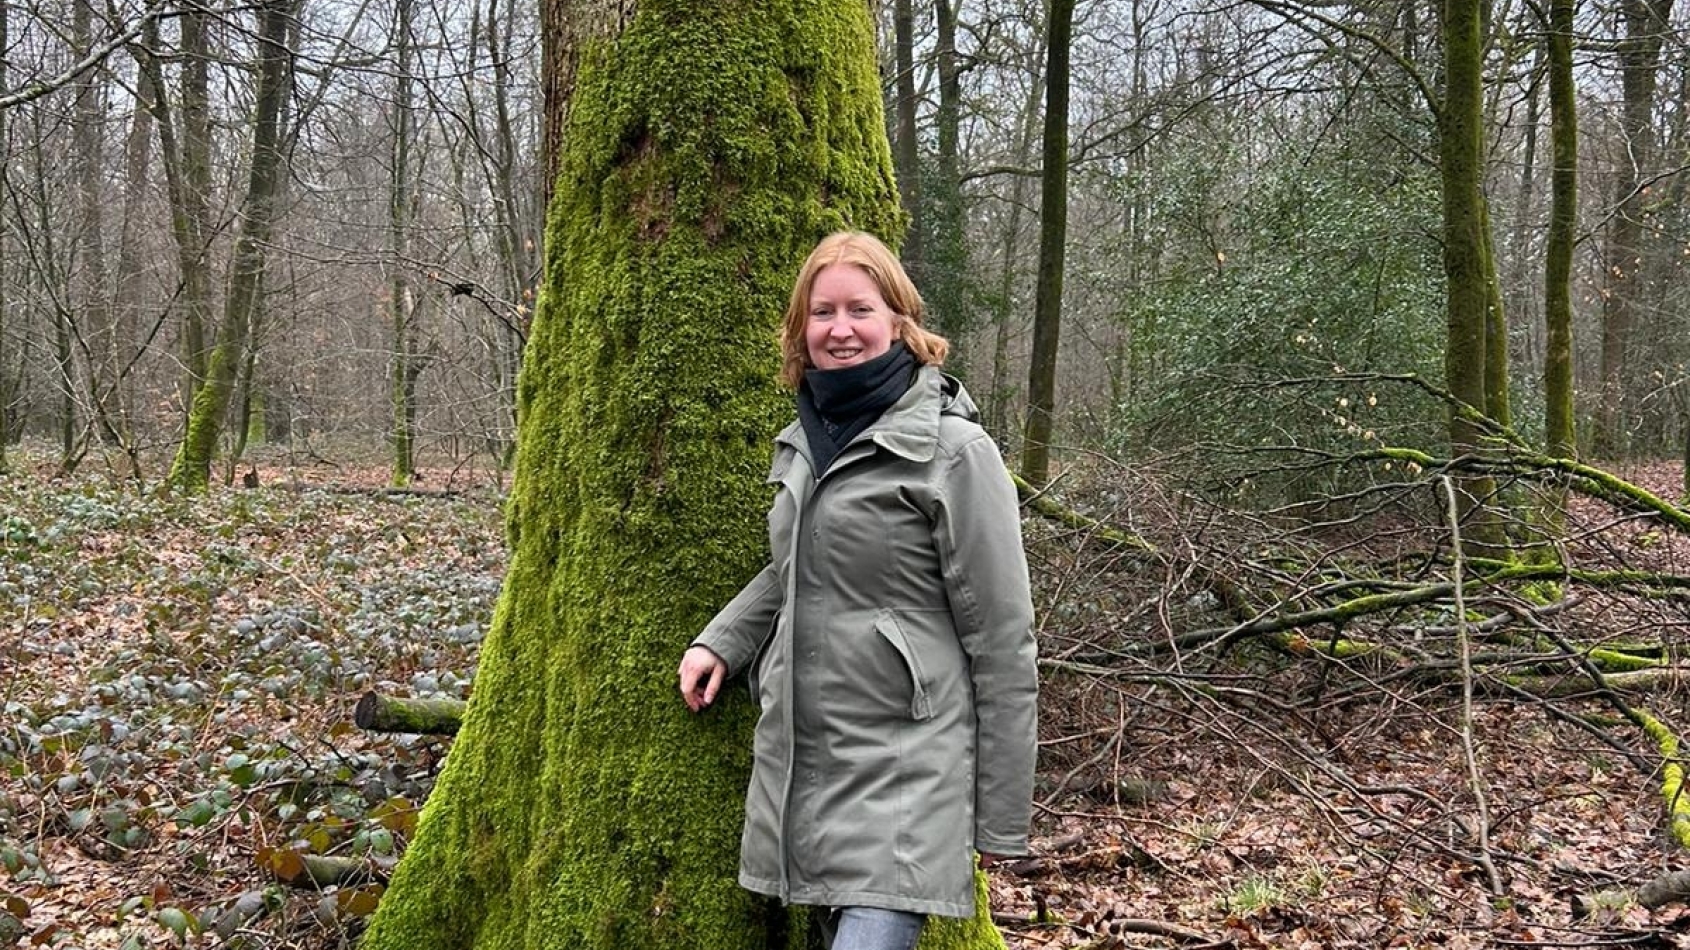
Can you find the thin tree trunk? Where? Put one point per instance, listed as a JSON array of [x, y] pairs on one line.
[[1518, 286], [5, 250], [1646, 24], [998, 414], [191, 469], [88, 296], [399, 202], [67, 385], [1497, 403], [520, 213], [948, 294], [1053, 234], [905, 149], [241, 424], [1562, 237], [131, 270], [185, 154], [1460, 149]]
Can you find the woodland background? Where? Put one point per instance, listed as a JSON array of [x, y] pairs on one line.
[[1286, 704], [1253, 194]]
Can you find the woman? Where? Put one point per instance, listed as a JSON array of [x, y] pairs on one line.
[[889, 643]]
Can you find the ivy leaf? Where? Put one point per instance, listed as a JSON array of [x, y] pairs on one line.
[[178, 920]]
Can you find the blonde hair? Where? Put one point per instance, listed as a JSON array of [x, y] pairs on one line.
[[859, 249]]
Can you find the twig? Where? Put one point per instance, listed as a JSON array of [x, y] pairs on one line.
[[1466, 646]]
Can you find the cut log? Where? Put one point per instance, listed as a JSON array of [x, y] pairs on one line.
[[429, 717]]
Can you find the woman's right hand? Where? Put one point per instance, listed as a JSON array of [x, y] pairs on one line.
[[702, 672]]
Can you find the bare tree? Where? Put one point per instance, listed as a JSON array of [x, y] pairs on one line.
[[1645, 23], [404, 301], [191, 469]]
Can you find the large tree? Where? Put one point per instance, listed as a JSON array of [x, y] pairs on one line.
[[707, 147]]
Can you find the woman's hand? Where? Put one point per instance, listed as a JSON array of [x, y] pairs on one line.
[[702, 672]]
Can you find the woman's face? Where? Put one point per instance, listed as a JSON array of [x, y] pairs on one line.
[[849, 321]]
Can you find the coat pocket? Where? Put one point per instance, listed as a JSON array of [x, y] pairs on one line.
[[753, 670], [885, 624]]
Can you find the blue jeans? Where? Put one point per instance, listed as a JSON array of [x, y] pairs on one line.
[[870, 928]]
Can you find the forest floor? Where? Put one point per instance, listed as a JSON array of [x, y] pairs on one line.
[[177, 680]]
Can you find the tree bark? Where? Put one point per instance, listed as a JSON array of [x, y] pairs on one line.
[[185, 154], [87, 294], [1519, 299], [1562, 237], [131, 267], [1053, 235], [1469, 279], [191, 470], [193, 233]]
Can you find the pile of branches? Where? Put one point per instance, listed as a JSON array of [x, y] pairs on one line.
[[1560, 588]]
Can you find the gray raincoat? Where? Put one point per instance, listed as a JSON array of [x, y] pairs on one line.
[[890, 646]]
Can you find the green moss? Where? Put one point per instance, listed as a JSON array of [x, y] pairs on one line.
[[582, 807], [1672, 779], [1542, 593], [977, 933], [1616, 661], [1340, 649]]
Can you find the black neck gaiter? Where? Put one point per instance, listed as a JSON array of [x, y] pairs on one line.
[[836, 405]]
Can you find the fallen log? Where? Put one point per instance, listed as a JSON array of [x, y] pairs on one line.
[[429, 717]]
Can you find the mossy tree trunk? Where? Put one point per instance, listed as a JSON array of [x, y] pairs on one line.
[[1467, 264], [191, 470], [1053, 236], [708, 146], [1562, 237]]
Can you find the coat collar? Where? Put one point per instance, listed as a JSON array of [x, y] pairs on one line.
[[909, 429]]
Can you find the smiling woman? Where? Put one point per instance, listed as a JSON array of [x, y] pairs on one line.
[[889, 641]]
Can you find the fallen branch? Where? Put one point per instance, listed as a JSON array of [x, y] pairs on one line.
[[317, 871], [1230, 594]]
